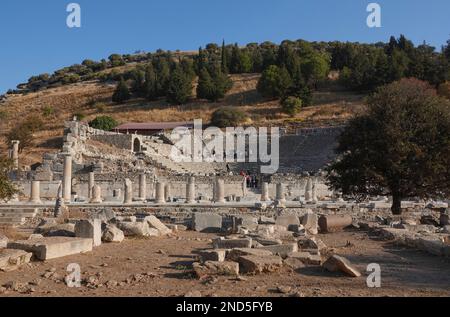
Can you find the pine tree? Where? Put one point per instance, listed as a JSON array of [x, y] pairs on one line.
[[213, 86], [122, 93], [180, 87], [151, 89], [224, 58], [205, 85]]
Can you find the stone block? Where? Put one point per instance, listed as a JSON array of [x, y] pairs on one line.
[[90, 229], [155, 223], [287, 221], [211, 268], [216, 255], [337, 263], [58, 230], [234, 254], [314, 243], [137, 229], [206, 222], [282, 250], [105, 215], [3, 241], [113, 234], [306, 257], [53, 247], [11, 259], [221, 243], [268, 241], [252, 264], [310, 222]]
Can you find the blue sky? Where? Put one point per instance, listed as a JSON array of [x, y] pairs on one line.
[[35, 39]]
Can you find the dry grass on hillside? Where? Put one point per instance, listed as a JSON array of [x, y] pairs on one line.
[[332, 106]]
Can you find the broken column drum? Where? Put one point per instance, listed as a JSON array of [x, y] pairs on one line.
[[308, 190], [35, 195], [280, 193], [128, 192], [265, 192], [167, 193]]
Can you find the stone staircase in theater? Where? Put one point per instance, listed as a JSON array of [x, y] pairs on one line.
[[159, 155], [16, 216]]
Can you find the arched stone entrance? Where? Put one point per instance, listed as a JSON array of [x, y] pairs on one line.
[[136, 145]]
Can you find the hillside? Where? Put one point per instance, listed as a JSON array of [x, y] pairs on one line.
[[332, 106]]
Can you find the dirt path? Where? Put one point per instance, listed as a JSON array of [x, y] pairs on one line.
[[160, 267]]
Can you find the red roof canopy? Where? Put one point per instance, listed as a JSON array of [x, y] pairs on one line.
[[153, 126]]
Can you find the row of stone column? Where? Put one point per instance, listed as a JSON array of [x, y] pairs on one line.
[[162, 190]]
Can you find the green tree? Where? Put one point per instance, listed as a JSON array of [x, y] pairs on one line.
[[274, 82], [213, 87], [105, 123], [291, 105], [122, 93], [139, 86], [162, 69], [180, 87], [7, 187], [151, 84], [227, 117], [400, 147]]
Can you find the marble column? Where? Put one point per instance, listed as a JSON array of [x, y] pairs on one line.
[[142, 187], [15, 154], [96, 195], [280, 193], [167, 193], [190, 190], [91, 183], [35, 195], [160, 193], [308, 190], [67, 178], [219, 191], [128, 192], [265, 192]]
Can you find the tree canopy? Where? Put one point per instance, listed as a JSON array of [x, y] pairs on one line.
[[400, 147]]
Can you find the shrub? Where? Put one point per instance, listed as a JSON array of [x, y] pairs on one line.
[[291, 105], [7, 188], [105, 123], [227, 117], [100, 107], [47, 111]]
